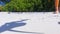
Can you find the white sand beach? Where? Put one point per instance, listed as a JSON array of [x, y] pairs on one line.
[[38, 23]]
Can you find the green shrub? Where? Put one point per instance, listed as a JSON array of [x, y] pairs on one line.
[[29, 5]]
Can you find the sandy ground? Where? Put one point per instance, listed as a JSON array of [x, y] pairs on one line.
[[38, 23]]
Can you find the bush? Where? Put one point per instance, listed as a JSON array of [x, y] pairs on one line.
[[29, 5]]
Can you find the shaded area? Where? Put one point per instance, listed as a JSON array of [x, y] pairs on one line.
[[10, 25], [25, 32], [58, 22]]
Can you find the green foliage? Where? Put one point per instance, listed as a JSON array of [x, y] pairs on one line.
[[48, 4], [28, 5]]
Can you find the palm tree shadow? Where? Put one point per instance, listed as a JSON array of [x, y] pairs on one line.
[[25, 32], [10, 25]]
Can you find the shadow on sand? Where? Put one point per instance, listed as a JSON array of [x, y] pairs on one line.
[[10, 25]]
